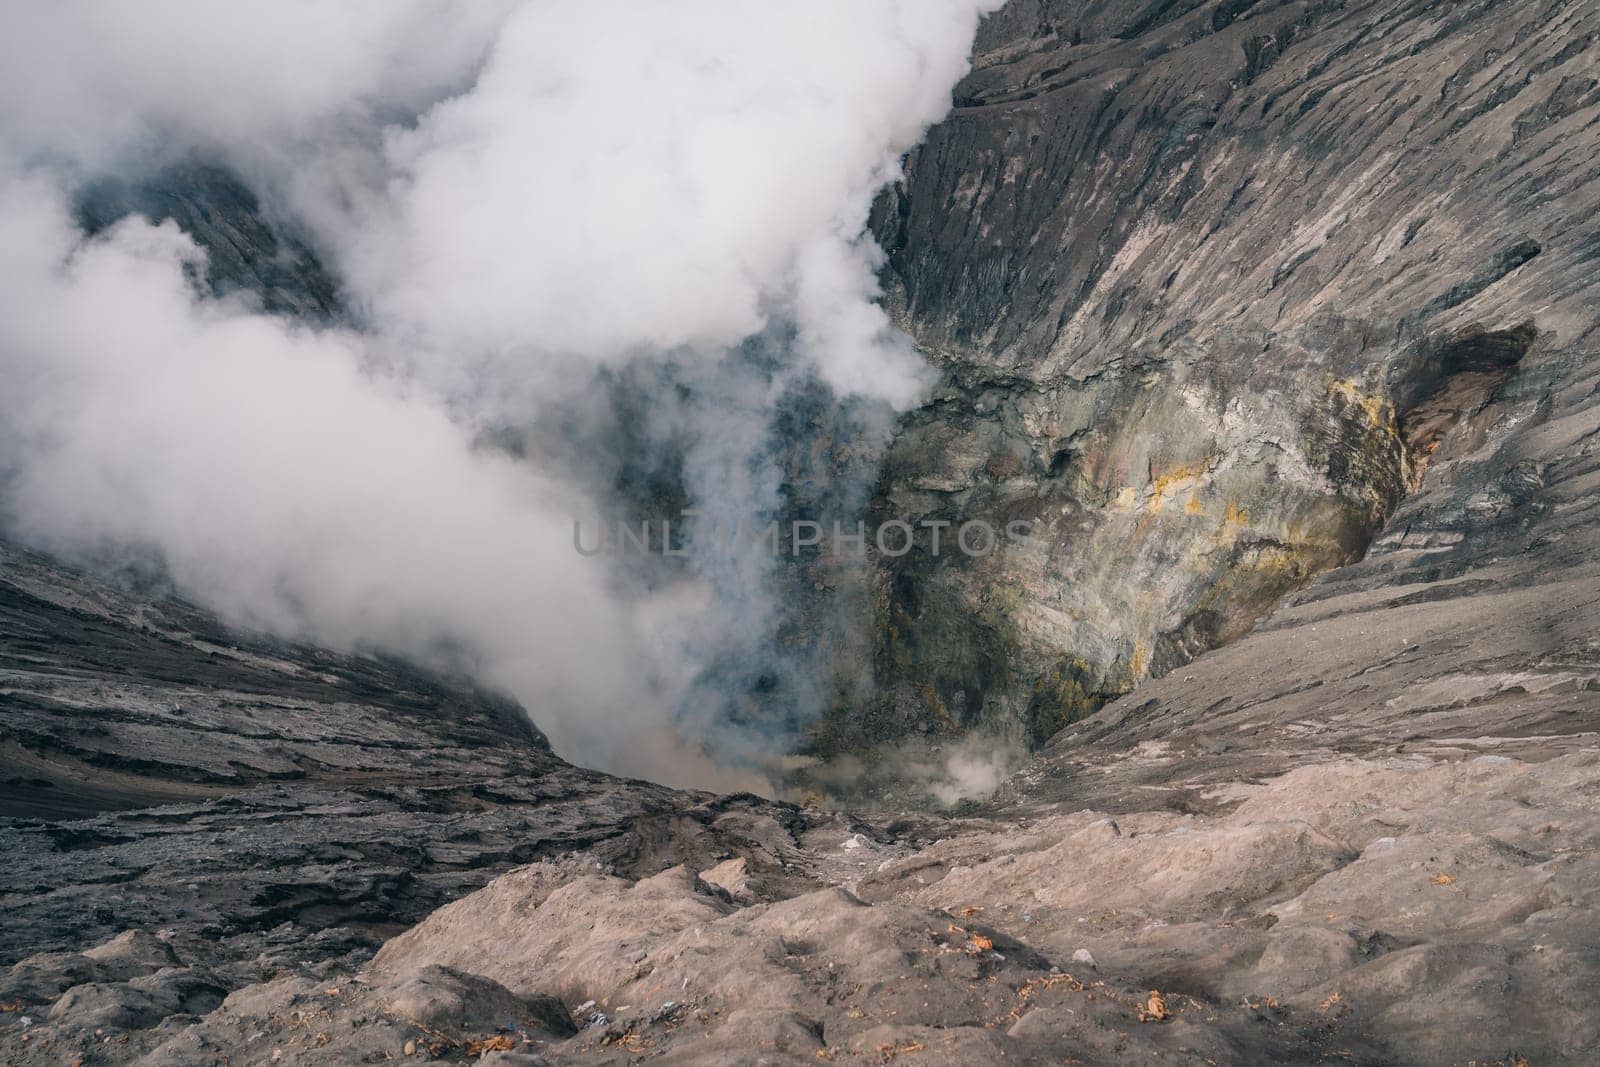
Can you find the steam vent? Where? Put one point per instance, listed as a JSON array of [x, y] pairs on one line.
[[945, 532]]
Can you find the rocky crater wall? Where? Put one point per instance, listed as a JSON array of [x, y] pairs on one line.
[[1214, 287]]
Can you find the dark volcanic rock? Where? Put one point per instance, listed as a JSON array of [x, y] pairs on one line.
[[264, 801], [247, 254], [116, 700]]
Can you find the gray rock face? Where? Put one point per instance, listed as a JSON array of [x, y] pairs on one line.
[[1211, 284], [248, 255], [116, 699]]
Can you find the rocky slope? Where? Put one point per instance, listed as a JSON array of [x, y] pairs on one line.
[[1211, 284], [271, 809], [1379, 864], [1393, 910]]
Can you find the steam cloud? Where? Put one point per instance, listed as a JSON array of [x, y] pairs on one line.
[[520, 200]]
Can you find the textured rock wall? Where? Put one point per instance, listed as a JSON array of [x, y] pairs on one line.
[[248, 255], [1212, 285]]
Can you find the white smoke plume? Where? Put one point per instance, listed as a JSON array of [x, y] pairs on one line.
[[512, 195]]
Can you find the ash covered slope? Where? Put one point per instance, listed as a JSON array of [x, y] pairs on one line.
[[115, 701], [158, 770], [289, 783], [272, 810], [1371, 911], [1375, 865], [1216, 288]]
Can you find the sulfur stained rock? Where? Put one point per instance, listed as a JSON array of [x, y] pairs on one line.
[[1214, 288]]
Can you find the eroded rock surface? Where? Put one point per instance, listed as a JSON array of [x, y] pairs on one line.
[[1365, 833], [1211, 284], [248, 808], [1410, 909]]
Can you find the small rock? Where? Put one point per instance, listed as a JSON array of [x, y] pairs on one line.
[[732, 877], [104, 1004], [1084, 956], [130, 954]]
